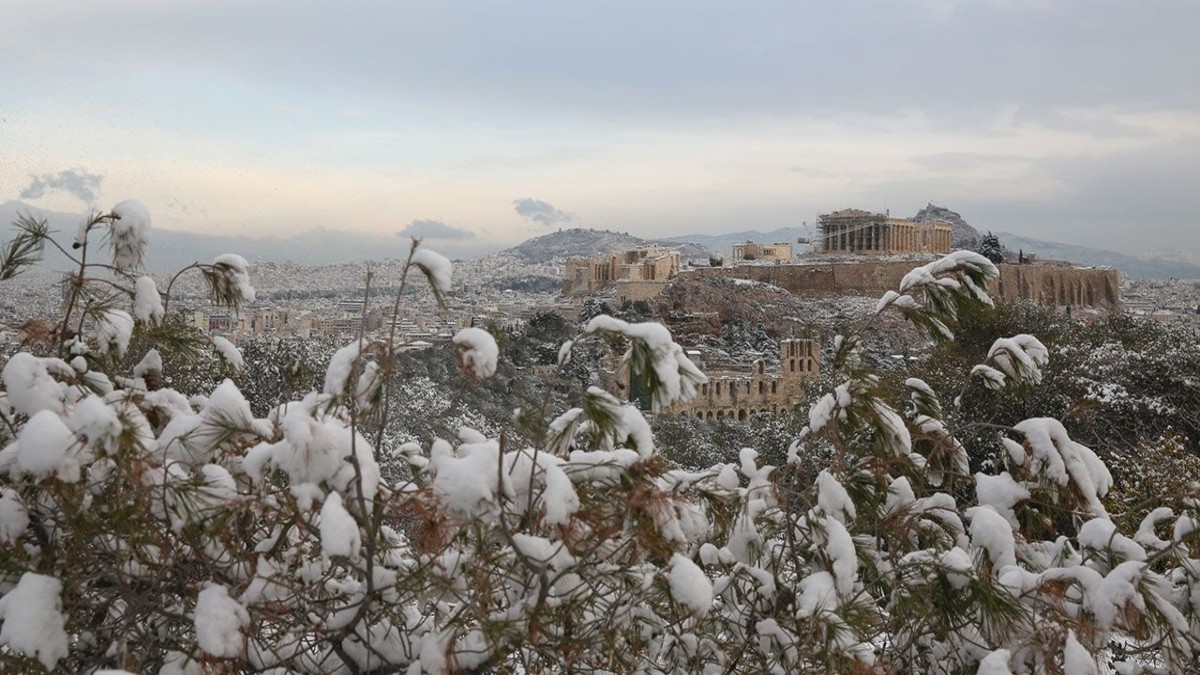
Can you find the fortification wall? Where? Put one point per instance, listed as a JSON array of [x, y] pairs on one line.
[[1058, 285], [633, 291], [1051, 283]]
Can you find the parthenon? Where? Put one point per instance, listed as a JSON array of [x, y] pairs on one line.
[[858, 231]]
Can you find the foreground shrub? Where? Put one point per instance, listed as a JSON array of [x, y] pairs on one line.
[[152, 530]]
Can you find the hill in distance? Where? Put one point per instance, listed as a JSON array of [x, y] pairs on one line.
[[722, 244], [578, 242], [1152, 266], [174, 249]]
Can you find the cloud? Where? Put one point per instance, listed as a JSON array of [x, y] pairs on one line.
[[964, 161], [79, 182], [540, 212], [434, 229]]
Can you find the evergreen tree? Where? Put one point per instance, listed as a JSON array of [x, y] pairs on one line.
[[991, 248]]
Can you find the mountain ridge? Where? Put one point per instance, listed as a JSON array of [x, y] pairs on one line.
[[172, 249]]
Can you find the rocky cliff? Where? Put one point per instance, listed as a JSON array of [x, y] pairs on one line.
[[962, 235]]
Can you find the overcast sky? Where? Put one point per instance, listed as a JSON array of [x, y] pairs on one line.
[[489, 122]]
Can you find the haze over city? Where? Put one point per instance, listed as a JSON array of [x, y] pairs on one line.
[[484, 124]]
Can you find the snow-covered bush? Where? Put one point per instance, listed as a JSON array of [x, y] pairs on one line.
[[150, 530]]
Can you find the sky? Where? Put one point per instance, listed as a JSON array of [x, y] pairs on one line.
[[480, 124]]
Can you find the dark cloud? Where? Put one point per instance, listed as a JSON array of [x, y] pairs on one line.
[[79, 182], [434, 229], [540, 212]]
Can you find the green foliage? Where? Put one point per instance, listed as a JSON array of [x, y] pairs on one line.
[[1114, 380], [25, 248], [1151, 474]]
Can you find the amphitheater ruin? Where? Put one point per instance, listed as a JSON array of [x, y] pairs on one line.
[[738, 394]]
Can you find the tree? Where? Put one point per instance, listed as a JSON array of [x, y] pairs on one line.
[[151, 531], [991, 248]]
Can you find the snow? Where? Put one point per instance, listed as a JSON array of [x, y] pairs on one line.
[[954, 261], [727, 478], [33, 623], [368, 385], [97, 421], [543, 552], [1077, 660], [150, 363], [1146, 535], [835, 540], [231, 354], [900, 495], [632, 427], [1002, 493], [599, 465], [1100, 534], [114, 328], [817, 593], [957, 565], [44, 448], [339, 531], [995, 663], [894, 432], [885, 301], [226, 417], [559, 497], [219, 622], [690, 586], [478, 352], [129, 234], [465, 479], [236, 271], [526, 471], [314, 450], [1055, 456], [219, 487], [992, 378], [1118, 589], [833, 498], [437, 268], [991, 532], [30, 387], [920, 387], [1021, 358], [821, 412], [147, 303], [341, 366], [14, 518], [653, 349]]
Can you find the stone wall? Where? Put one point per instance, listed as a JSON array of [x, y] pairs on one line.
[[1046, 282], [633, 291], [585, 276]]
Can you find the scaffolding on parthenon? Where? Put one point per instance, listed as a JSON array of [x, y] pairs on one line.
[[857, 231]]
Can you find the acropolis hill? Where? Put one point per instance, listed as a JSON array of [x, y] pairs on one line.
[[858, 252], [1050, 282]]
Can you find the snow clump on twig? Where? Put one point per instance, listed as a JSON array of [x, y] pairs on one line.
[[477, 352], [129, 234]]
